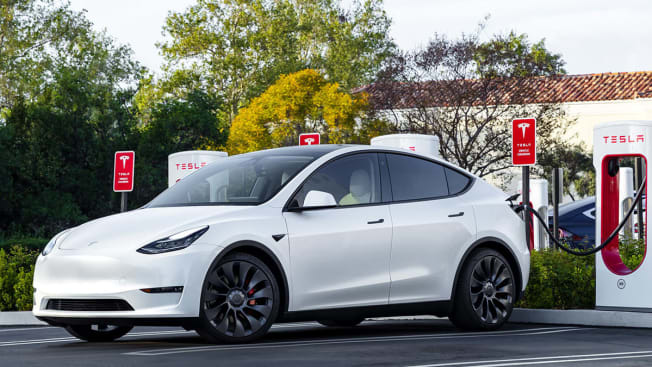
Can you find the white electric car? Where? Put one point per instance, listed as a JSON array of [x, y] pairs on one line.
[[333, 233]]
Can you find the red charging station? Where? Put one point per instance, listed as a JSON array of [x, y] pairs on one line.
[[615, 144]]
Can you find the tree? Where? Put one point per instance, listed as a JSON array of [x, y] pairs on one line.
[[300, 102], [31, 33], [466, 92], [60, 134], [235, 49]]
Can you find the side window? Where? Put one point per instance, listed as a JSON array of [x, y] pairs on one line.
[[352, 180], [414, 178], [457, 182]]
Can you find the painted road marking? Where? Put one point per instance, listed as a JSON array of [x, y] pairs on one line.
[[522, 332], [10, 343], [28, 328], [544, 360]]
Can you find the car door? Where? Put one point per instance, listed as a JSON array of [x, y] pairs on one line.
[[432, 225], [339, 251]]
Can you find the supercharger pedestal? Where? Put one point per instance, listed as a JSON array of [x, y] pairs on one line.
[[617, 286], [182, 164], [538, 202]]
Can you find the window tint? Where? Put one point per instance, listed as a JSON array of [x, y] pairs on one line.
[[352, 180], [456, 181], [413, 178]]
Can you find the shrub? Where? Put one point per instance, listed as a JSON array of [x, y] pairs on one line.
[[16, 274], [32, 243], [631, 251], [559, 280]]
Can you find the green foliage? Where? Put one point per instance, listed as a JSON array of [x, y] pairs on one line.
[[16, 274], [632, 251], [299, 102], [236, 48], [560, 281], [29, 243], [513, 55]]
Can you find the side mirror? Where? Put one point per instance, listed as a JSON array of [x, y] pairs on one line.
[[318, 199]]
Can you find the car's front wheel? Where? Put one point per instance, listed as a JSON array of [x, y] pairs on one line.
[[98, 333], [485, 292], [240, 300]]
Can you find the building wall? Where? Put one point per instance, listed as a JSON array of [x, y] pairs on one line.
[[588, 114]]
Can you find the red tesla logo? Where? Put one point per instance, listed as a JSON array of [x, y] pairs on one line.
[[309, 139], [123, 171], [524, 138], [624, 139]]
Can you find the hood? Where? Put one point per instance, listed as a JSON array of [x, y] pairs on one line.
[[136, 228]]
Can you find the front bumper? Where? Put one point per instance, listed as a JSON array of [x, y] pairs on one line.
[[96, 274]]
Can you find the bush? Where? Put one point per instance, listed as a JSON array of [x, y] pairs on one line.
[[559, 280], [31, 243], [631, 251], [16, 274]]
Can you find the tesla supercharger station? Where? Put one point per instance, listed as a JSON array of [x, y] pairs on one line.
[[424, 144], [617, 286], [539, 202], [182, 164]]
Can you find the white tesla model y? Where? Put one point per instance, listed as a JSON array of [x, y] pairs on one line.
[[332, 233]]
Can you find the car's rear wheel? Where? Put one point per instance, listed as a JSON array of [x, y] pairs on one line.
[[342, 322], [240, 300], [485, 292], [98, 333]]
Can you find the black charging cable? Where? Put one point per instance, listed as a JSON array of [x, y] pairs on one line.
[[613, 234]]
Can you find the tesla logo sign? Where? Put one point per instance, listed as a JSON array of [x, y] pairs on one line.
[[524, 152], [624, 139], [123, 171], [309, 139]]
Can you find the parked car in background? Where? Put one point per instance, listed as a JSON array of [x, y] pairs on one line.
[[576, 222]]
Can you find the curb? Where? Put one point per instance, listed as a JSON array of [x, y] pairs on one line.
[[582, 317], [19, 318]]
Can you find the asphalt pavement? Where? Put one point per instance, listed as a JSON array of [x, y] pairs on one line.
[[373, 343]]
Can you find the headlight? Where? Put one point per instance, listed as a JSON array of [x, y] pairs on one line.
[[175, 242], [54, 241]]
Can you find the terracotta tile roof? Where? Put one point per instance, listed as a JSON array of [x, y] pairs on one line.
[[562, 88]]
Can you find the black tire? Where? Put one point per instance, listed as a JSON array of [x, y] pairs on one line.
[[342, 323], [98, 333], [240, 300], [485, 292]]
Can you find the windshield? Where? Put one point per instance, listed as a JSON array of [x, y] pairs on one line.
[[247, 179]]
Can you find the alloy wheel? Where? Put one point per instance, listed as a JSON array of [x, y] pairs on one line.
[[238, 298], [491, 289]]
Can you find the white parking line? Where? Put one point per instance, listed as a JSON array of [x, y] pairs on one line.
[[542, 360], [10, 343], [522, 332], [67, 339], [28, 328]]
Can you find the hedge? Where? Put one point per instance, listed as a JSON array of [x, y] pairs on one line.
[[560, 280], [16, 274]]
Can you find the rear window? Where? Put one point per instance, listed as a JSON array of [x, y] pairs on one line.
[[413, 178], [457, 182]]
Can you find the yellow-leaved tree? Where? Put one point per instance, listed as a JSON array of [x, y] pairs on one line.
[[299, 102]]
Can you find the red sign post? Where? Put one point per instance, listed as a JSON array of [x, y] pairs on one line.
[[524, 153], [309, 139], [123, 175], [524, 142]]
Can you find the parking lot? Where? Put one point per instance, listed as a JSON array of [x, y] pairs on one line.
[[386, 342]]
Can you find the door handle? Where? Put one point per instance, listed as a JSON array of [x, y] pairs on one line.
[[456, 215], [381, 220]]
